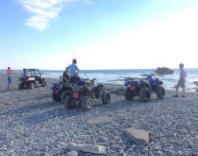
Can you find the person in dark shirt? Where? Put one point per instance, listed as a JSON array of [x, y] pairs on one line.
[[66, 77], [23, 75]]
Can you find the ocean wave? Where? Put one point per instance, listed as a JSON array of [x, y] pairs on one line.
[[117, 76]]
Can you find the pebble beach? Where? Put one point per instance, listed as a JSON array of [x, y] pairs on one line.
[[32, 124]]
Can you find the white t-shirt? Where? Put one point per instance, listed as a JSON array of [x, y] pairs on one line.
[[183, 75]]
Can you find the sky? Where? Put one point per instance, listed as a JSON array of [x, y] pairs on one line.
[[100, 34]]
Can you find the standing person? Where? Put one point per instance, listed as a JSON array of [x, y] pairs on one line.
[[66, 75], [182, 80], [23, 75], [74, 71], [9, 74]]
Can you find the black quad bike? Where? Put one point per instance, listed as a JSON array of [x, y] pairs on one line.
[[31, 78], [143, 88], [85, 94]]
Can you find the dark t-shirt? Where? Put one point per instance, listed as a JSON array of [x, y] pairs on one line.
[[65, 77]]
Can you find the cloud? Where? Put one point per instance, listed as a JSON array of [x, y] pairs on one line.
[[43, 11], [89, 1]]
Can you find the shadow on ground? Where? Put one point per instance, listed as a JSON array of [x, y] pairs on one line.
[[30, 108]]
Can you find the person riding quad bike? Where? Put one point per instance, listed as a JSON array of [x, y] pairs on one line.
[[66, 77], [64, 87], [143, 88]]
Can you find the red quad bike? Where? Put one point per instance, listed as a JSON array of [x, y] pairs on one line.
[[31, 78]]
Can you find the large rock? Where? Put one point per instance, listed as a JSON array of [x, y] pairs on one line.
[[163, 70], [100, 120], [137, 135], [95, 149], [72, 153], [196, 83]]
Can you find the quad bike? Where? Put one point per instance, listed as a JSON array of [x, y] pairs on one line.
[[84, 94], [31, 78], [144, 88], [60, 91]]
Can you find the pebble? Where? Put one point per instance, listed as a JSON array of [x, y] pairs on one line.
[[72, 153]]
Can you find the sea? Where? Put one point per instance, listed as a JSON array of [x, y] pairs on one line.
[[118, 76]]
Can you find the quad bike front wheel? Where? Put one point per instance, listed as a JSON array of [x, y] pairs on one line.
[[86, 103], [43, 84], [160, 91], [106, 97], [145, 94], [129, 95], [63, 95], [21, 86], [55, 97]]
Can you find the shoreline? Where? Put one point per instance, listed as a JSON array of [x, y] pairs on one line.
[[112, 85], [114, 77]]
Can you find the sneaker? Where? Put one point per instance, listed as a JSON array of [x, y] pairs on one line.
[[175, 96], [183, 96]]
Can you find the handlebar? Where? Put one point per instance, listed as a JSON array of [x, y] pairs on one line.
[[132, 78], [149, 75]]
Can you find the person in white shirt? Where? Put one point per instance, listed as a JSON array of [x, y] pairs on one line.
[[74, 71], [182, 80]]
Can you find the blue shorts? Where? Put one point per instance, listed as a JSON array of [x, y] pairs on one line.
[[9, 79]]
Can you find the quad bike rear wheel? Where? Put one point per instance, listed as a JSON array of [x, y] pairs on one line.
[[160, 91], [69, 102], [86, 103], [29, 85], [106, 97], [98, 91], [129, 95], [145, 94]]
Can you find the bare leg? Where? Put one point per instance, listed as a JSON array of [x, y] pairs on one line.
[[8, 87], [183, 91], [176, 90]]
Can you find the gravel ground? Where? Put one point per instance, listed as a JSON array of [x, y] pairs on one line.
[[32, 124]]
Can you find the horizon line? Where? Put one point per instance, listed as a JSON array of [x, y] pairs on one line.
[[99, 69]]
